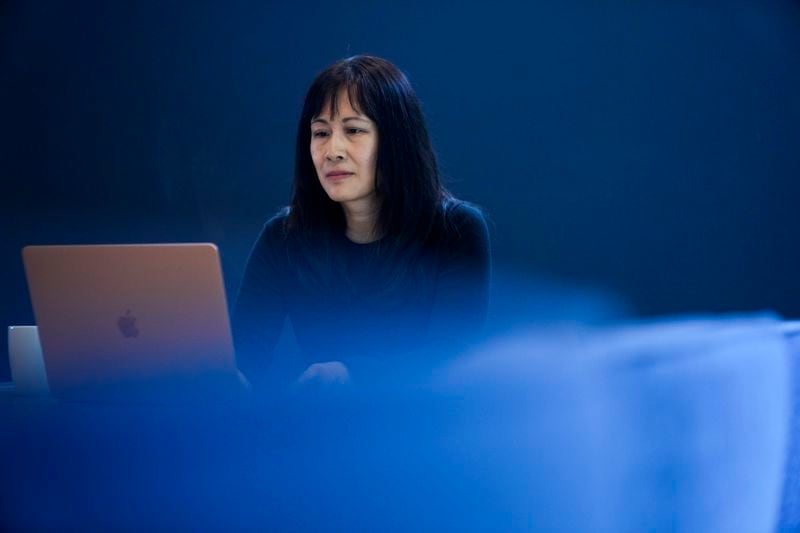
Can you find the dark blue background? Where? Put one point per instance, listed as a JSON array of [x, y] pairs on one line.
[[652, 149]]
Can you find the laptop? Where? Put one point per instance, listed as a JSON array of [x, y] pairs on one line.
[[131, 319]]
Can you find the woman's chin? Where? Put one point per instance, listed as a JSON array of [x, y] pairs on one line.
[[347, 198]]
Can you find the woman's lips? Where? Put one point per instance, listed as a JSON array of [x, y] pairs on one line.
[[338, 176]]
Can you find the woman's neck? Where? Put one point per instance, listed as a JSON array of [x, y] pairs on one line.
[[362, 221]]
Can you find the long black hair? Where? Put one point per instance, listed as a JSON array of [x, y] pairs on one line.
[[412, 198], [407, 183]]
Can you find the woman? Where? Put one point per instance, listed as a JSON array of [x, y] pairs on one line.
[[378, 267]]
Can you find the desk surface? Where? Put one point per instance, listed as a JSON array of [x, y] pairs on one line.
[[552, 455]]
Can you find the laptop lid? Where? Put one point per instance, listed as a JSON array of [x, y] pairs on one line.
[[113, 316]]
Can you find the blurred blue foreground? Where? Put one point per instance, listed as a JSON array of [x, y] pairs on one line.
[[670, 425]]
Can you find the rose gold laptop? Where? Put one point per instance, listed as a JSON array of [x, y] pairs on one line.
[[116, 319]]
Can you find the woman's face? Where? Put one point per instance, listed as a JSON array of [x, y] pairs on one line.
[[344, 149]]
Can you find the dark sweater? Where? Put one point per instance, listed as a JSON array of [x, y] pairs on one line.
[[370, 315]]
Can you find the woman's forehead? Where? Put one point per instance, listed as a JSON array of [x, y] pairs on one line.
[[342, 102]]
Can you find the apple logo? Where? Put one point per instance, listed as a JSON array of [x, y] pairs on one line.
[[127, 325]]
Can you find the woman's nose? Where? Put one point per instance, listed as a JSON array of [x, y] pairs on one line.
[[336, 149]]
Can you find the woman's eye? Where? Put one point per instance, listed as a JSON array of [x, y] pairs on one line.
[[319, 133], [353, 131]]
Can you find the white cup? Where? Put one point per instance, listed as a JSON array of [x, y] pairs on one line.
[[25, 358]]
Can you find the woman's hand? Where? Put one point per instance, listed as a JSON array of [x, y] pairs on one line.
[[327, 373]]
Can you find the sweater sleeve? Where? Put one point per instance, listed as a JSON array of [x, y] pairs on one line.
[[462, 282], [459, 307], [260, 308]]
